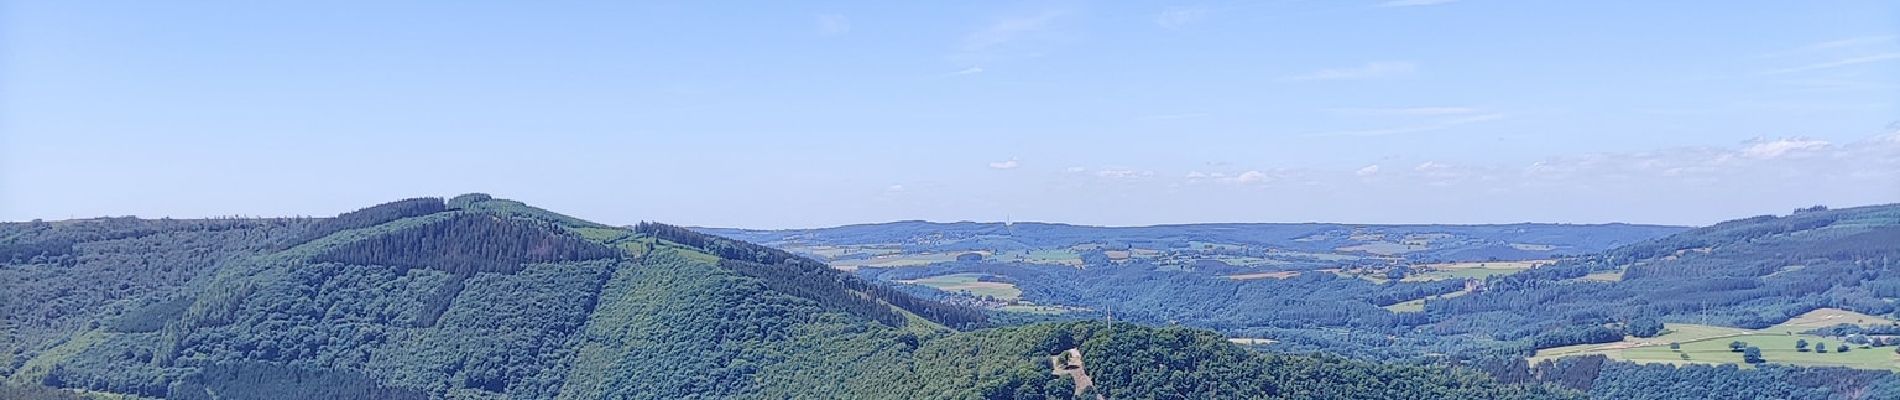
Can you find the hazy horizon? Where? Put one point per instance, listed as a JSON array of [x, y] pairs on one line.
[[802, 116], [978, 221]]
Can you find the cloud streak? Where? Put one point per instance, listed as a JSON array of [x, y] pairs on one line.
[[1415, 3], [1371, 70], [1844, 62], [1698, 184], [1404, 112], [1833, 44], [1765, 149], [1177, 17], [979, 44], [1123, 173], [833, 24], [967, 71], [1171, 117], [1425, 127]]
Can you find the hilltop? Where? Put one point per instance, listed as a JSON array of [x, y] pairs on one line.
[[476, 297]]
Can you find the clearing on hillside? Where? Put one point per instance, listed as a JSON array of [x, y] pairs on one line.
[[971, 284], [1472, 270], [1264, 275], [1418, 305], [894, 261], [1704, 344], [1603, 276], [1826, 317]]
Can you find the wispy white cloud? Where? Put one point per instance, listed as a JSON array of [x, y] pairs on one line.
[[1177, 17], [1844, 62], [1782, 147], [967, 71], [1423, 127], [1834, 44], [1073, 170], [1713, 182], [1405, 111], [1250, 177], [833, 24], [1850, 42], [977, 45], [1829, 84], [1415, 3], [1169, 117], [1371, 70], [1006, 164], [1123, 173]]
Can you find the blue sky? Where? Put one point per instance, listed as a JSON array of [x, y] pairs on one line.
[[825, 113]]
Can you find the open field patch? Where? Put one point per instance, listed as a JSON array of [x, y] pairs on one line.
[[831, 252], [1249, 261], [895, 260], [1602, 276], [1040, 309], [971, 284], [1384, 248], [1418, 305], [1826, 317], [1202, 245], [1704, 344], [1264, 275], [1471, 270], [1044, 256]]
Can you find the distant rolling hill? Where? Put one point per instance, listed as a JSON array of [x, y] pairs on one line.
[[1625, 292], [1447, 242], [482, 298]]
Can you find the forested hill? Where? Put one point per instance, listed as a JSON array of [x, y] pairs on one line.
[[483, 298], [1746, 273]]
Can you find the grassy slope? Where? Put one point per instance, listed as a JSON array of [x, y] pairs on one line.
[[1706, 344], [37, 367], [969, 283]]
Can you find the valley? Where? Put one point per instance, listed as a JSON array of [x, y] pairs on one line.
[[1422, 294], [475, 297]]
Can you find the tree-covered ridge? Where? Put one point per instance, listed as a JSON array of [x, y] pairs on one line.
[[81, 273], [417, 307], [1606, 379], [54, 242], [1128, 361], [275, 381], [467, 243], [801, 276], [724, 248], [1748, 273], [484, 203], [372, 216]]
